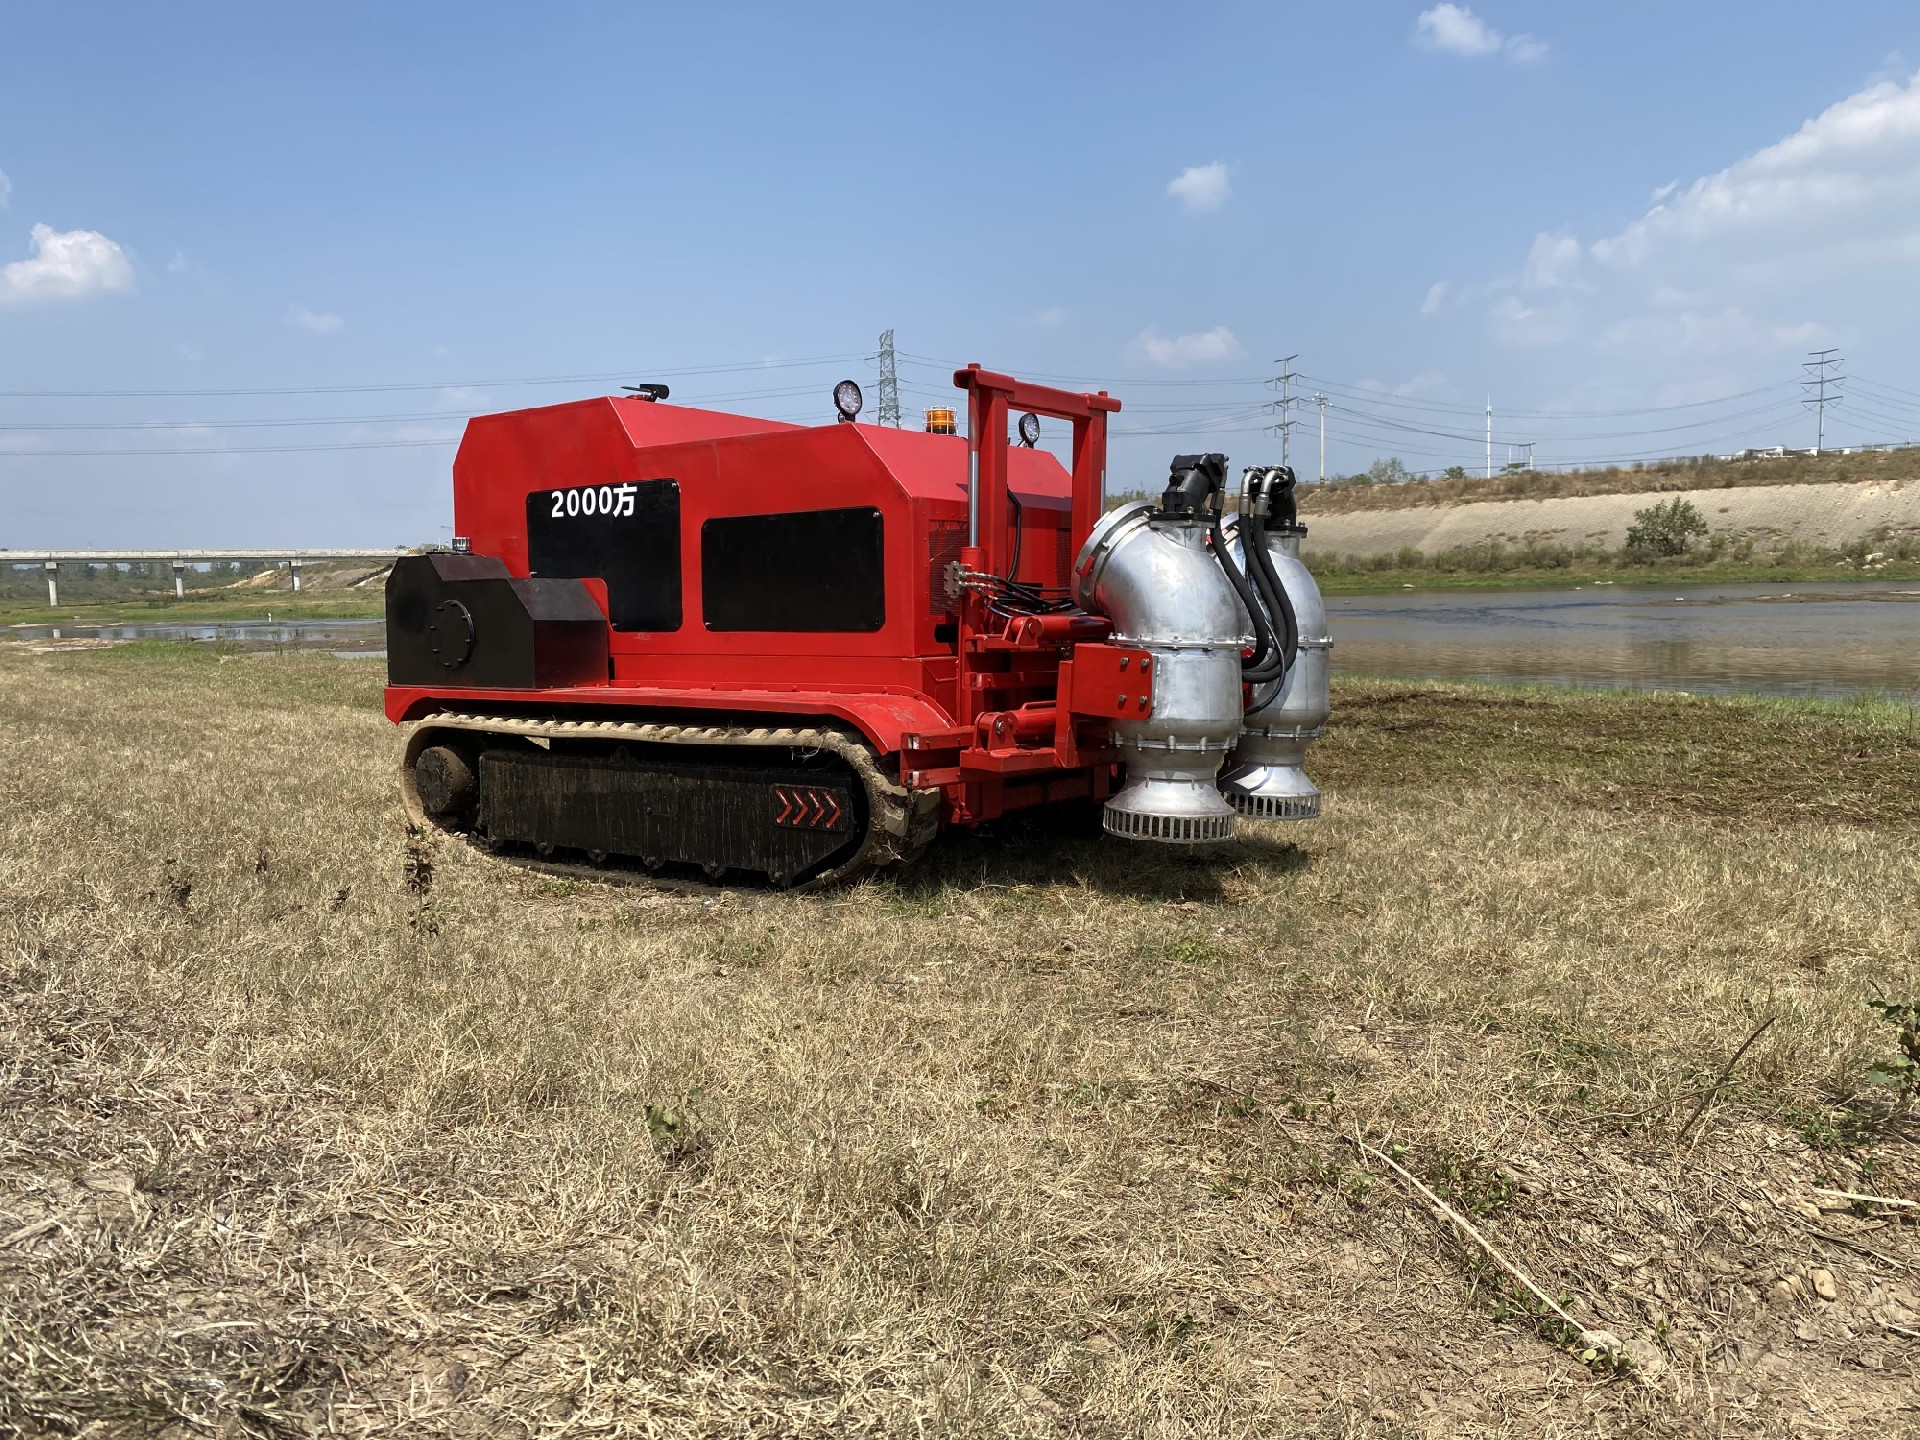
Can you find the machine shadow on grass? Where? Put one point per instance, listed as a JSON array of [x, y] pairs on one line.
[[1018, 852], [1068, 848]]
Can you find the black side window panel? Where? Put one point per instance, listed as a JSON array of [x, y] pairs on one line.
[[816, 570], [627, 535]]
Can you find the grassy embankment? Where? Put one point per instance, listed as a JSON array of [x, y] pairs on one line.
[[1548, 566], [1357, 492], [311, 1127]]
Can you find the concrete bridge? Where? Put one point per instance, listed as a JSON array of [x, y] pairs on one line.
[[51, 561]]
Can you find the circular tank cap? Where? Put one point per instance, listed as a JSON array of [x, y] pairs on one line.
[[450, 633]]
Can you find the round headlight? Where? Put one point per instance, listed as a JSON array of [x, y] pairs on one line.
[[847, 399], [1029, 430]]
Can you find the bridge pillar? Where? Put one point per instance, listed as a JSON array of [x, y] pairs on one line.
[[53, 582], [179, 579], [295, 563]]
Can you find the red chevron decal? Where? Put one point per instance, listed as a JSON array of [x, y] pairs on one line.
[[808, 807]]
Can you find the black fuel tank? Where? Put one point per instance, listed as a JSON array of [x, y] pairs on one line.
[[464, 621]]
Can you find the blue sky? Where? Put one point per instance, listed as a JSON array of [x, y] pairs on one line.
[[1429, 204]]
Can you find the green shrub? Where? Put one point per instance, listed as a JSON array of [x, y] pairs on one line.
[[1665, 529]]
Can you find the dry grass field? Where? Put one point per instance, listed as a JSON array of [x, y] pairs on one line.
[[310, 1129]]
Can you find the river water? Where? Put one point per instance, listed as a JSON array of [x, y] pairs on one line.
[[1811, 640], [1814, 640], [349, 639]]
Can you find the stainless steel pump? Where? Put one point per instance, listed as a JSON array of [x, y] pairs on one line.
[[1237, 633], [1150, 572], [1265, 778]]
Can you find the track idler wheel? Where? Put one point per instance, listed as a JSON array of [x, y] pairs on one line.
[[445, 782]]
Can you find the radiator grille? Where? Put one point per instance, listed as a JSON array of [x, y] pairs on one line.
[[944, 541]]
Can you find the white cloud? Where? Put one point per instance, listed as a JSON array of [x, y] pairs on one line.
[[301, 318], [66, 265], [1456, 30], [1177, 352], [1436, 297], [1798, 244], [1425, 385], [1729, 333], [6, 190], [1201, 187], [1848, 177], [464, 397], [1049, 317], [1551, 262], [1521, 324]]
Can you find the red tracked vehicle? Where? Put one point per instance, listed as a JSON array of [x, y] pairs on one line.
[[671, 636]]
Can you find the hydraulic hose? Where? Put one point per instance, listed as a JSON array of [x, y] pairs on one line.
[[1264, 645], [1019, 528], [1281, 605]]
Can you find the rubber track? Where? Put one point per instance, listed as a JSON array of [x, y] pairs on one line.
[[901, 823]]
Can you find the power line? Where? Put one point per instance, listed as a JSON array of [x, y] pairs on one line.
[[1354, 392], [236, 449], [1895, 389], [928, 362], [1388, 422], [1361, 416], [298, 422], [602, 377], [1882, 396], [1381, 397]]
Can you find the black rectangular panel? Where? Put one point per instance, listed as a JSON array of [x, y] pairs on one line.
[[627, 534], [816, 570]]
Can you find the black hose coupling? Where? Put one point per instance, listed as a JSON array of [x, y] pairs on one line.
[[1194, 482], [1268, 493], [1280, 497]]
